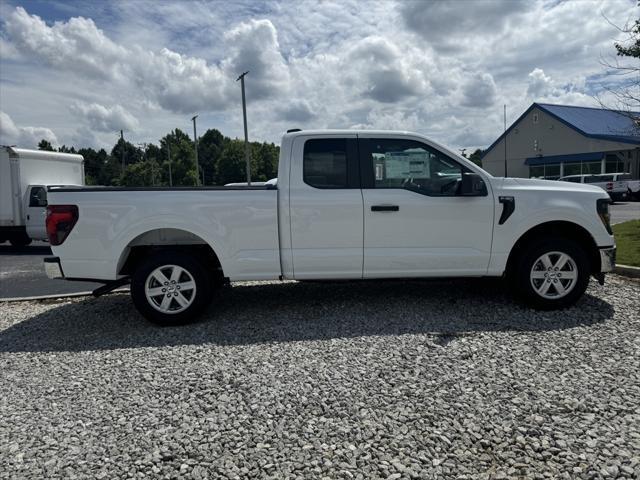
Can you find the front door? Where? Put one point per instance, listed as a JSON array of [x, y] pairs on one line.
[[325, 207], [415, 222], [36, 212]]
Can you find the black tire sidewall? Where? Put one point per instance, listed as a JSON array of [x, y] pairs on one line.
[[534, 251], [189, 263]]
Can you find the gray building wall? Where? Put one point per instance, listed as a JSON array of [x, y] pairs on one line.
[[548, 136]]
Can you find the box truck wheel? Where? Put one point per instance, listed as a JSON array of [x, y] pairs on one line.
[[171, 288], [20, 240]]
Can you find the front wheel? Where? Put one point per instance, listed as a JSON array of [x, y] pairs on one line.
[[171, 288], [552, 273]]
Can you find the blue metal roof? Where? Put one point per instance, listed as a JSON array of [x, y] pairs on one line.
[[573, 158], [591, 122], [597, 122]]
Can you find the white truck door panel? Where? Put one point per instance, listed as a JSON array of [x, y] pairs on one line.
[[36, 212], [414, 223], [326, 212]]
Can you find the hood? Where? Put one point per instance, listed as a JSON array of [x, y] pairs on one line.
[[551, 185]]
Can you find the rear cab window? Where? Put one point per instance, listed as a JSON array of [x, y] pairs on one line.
[[331, 163]]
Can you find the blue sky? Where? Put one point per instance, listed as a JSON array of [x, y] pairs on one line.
[[78, 72]]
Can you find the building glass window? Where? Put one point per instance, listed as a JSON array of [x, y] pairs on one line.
[[550, 171], [591, 167], [613, 164], [536, 171], [572, 169]]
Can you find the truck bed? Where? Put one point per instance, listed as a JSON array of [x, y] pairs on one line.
[[239, 223]]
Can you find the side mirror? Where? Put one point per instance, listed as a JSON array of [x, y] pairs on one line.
[[472, 185]]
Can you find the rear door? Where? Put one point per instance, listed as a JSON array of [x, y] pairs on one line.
[[36, 212], [415, 223], [325, 207]]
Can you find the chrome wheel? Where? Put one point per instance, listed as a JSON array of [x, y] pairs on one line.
[[554, 275], [170, 289]]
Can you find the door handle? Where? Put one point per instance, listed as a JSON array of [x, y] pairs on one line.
[[385, 208]]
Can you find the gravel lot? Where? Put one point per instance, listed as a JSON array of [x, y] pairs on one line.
[[310, 380]]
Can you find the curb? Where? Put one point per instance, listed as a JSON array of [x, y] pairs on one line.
[[627, 271], [57, 295]]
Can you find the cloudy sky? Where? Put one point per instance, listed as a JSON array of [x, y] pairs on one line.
[[76, 72]]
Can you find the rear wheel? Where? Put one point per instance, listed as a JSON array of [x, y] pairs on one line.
[[552, 273], [171, 288]]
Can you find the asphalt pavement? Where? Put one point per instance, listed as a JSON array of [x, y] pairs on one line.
[[624, 211], [22, 271]]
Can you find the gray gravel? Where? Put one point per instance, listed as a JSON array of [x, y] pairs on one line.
[[310, 380]]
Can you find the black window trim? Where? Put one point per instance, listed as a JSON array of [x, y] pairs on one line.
[[366, 172], [353, 170]]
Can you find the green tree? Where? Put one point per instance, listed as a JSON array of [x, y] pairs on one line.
[[132, 154], [266, 161], [631, 48], [210, 147], [182, 159], [94, 164], [476, 157], [65, 149], [45, 145], [141, 174], [231, 166], [626, 93]]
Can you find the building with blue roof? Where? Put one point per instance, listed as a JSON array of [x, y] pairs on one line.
[[551, 141]]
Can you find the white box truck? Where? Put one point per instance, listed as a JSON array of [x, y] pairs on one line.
[[24, 178]]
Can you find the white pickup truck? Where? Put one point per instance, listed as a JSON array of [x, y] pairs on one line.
[[346, 205]]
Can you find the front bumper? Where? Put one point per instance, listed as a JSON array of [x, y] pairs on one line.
[[607, 259], [53, 268]]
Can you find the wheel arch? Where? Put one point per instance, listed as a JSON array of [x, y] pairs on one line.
[[559, 228], [162, 239]]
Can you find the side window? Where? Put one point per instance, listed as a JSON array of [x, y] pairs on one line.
[[408, 164], [38, 197], [325, 163]]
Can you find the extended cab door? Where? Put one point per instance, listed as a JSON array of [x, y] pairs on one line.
[[415, 222], [325, 207], [36, 212]]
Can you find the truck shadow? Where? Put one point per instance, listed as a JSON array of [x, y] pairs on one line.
[[259, 313]]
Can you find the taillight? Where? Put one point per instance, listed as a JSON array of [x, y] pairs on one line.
[[60, 222], [609, 185]]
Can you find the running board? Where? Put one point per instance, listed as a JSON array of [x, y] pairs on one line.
[[111, 286]]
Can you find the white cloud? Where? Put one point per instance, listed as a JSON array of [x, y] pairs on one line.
[[106, 119], [24, 137], [440, 68], [479, 91]]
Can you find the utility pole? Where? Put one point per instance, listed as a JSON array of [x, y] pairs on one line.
[[169, 158], [505, 140], [246, 135], [195, 141], [122, 148]]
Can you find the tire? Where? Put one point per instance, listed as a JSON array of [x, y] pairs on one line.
[[21, 240], [171, 273], [537, 281]]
